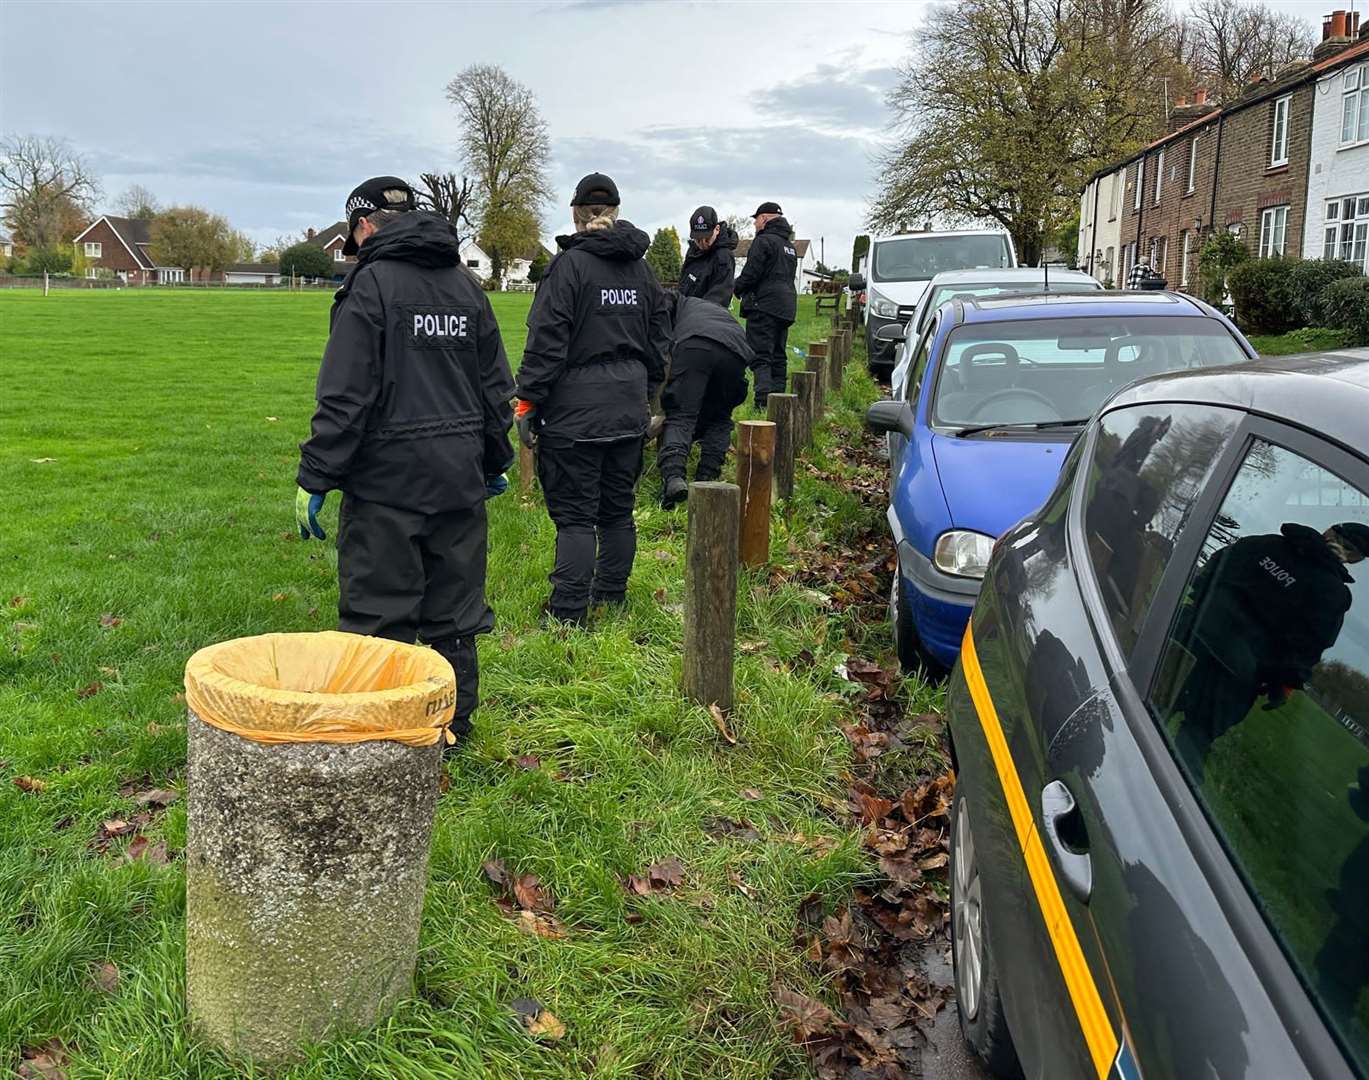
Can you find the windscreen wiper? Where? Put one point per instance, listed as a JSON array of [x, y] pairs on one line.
[[1041, 425]]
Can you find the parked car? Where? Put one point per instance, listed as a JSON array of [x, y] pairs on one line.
[[1159, 724], [997, 390], [970, 284], [895, 272]]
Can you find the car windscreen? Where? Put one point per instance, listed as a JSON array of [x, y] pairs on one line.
[[969, 291], [920, 258], [1040, 371]]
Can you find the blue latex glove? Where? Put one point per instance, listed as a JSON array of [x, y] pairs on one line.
[[307, 507], [496, 485]]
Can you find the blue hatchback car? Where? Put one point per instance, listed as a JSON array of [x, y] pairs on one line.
[[996, 391]]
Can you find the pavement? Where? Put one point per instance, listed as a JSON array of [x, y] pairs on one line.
[[947, 1056]]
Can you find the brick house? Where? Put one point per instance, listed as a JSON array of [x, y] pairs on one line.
[[331, 240], [1243, 167], [120, 246]]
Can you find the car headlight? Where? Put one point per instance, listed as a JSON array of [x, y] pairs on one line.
[[883, 306], [963, 553]]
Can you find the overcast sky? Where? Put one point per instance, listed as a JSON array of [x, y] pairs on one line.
[[270, 112]]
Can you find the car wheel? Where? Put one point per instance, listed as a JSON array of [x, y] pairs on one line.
[[982, 1021], [912, 654]]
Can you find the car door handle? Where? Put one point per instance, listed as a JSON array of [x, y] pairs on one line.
[[1057, 804]]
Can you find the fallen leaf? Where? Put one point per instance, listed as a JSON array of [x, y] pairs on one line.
[[659, 596], [444, 783], [90, 690], [750, 794], [18, 601], [278, 597], [659, 877], [137, 847], [156, 797], [662, 555], [541, 924], [110, 620], [115, 827], [805, 1016], [720, 722], [498, 873], [547, 1026], [45, 1062], [731, 829], [113, 673], [529, 762], [741, 886], [529, 894], [31, 784], [106, 977]]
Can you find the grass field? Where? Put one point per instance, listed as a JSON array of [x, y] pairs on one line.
[[147, 460]]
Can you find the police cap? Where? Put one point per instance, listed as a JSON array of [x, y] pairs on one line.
[[702, 222], [1356, 534], [596, 189], [768, 208], [368, 197]]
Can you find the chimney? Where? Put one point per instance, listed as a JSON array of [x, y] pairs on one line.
[[1333, 26], [1337, 32], [1200, 97], [1180, 101], [309, 234]]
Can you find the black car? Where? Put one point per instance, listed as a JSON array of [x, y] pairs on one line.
[[1160, 727]]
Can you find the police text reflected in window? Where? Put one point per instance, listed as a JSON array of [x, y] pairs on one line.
[[1263, 692]]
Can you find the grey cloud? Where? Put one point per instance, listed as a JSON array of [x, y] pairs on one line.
[[834, 95]]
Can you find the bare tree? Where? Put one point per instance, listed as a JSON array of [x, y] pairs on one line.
[[1227, 43], [137, 202], [742, 225], [45, 186], [506, 147], [452, 196]]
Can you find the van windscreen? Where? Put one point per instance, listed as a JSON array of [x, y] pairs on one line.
[[918, 258]]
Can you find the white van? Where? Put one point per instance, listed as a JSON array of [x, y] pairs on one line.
[[897, 268]]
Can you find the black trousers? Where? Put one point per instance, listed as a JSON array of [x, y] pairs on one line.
[[769, 339], [707, 381], [590, 489], [407, 576]]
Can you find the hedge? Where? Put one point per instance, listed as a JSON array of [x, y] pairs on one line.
[[1306, 288], [1346, 305], [1260, 291]]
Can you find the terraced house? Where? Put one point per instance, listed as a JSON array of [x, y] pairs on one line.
[[1281, 166]]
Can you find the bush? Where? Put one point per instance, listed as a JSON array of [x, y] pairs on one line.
[[1307, 283], [1259, 289], [1219, 254], [306, 259], [1346, 305]]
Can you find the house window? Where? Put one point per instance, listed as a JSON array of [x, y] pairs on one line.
[[1347, 229], [1354, 109], [1185, 240], [91, 271], [1107, 263], [1140, 182], [474, 264], [1273, 225], [1192, 165], [1115, 199], [93, 250], [338, 256], [1278, 150], [1159, 176]]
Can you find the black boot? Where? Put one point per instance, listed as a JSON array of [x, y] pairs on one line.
[[461, 653], [675, 492], [554, 616]]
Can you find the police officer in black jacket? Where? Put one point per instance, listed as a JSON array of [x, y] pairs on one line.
[[708, 364], [598, 334], [769, 300], [710, 264], [412, 426]]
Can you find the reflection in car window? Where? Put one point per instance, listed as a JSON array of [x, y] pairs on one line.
[[1263, 692], [912, 385], [1148, 467], [918, 258], [969, 291], [1040, 370]]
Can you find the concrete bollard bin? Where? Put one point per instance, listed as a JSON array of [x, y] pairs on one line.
[[314, 762]]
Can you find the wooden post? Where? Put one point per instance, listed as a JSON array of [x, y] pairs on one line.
[[805, 386], [756, 478], [710, 606], [783, 412], [527, 469], [835, 363]]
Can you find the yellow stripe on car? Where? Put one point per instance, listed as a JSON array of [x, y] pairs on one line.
[[1088, 1006]]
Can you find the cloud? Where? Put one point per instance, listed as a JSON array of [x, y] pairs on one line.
[[834, 95]]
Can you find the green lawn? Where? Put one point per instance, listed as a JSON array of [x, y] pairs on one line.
[[147, 461], [1304, 339]]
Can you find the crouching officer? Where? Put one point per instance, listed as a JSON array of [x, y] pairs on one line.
[[412, 426], [710, 264], [598, 332], [769, 300], [708, 364]]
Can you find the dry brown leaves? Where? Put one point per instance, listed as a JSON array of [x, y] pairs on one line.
[[538, 1022], [523, 898], [30, 785], [660, 877], [46, 1062], [720, 722]]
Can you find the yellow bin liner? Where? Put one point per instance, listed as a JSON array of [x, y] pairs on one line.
[[324, 687]]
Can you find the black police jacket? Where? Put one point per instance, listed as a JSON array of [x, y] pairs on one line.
[[766, 283], [1268, 606], [709, 274], [699, 318], [598, 334], [414, 390]]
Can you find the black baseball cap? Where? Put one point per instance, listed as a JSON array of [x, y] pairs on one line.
[[368, 197], [768, 208], [1356, 535], [702, 222], [596, 189]]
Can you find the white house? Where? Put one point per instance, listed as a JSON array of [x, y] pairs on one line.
[[1338, 172], [804, 249], [6, 247], [1100, 225], [251, 274], [473, 257]]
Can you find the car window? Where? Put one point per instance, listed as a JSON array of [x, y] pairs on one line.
[[1025, 371], [1148, 467], [971, 290], [917, 258], [912, 386], [1263, 693]]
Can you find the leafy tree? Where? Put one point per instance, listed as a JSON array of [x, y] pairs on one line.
[[192, 238], [1065, 239], [137, 202], [51, 260], [664, 255], [46, 190], [537, 269], [859, 250], [1220, 253], [509, 228], [306, 259], [271, 253]]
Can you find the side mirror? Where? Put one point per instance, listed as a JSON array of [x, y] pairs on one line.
[[891, 332], [856, 282], [885, 416]]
